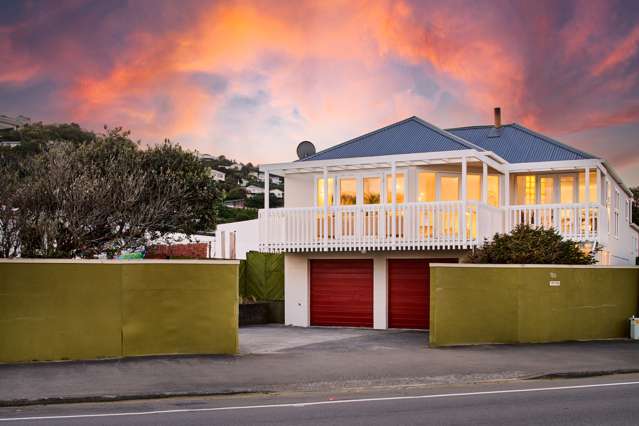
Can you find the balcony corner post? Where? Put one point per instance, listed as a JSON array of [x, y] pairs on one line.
[[325, 207], [394, 203], [464, 172], [587, 201]]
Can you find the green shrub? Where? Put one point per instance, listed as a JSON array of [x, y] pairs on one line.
[[529, 245]]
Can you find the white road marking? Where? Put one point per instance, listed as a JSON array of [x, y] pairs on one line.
[[315, 403]]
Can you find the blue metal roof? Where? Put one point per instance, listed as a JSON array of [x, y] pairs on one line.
[[517, 144], [405, 137]]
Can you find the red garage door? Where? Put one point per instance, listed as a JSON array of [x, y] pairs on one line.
[[408, 292], [342, 292]]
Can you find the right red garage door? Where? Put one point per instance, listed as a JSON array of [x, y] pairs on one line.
[[408, 292]]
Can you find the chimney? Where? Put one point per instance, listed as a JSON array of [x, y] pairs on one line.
[[497, 117]]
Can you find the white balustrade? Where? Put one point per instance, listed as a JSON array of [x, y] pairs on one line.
[[579, 222]]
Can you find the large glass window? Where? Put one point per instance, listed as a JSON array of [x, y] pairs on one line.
[[320, 192], [593, 186], [348, 191], [567, 189], [449, 188], [474, 187], [526, 187], [546, 190], [425, 187], [400, 188], [493, 190], [372, 190]]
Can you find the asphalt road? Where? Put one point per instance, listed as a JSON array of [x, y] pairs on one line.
[[612, 400]]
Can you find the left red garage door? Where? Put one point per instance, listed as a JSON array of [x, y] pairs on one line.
[[342, 292]]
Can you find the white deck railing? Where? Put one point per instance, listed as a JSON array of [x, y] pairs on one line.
[[436, 225], [579, 222]]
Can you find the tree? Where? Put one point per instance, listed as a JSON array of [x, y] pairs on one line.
[[105, 195], [635, 204], [528, 245]]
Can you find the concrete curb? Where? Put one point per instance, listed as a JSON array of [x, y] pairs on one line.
[[116, 398], [582, 374]]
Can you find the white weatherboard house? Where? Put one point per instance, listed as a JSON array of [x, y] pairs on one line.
[[362, 220]]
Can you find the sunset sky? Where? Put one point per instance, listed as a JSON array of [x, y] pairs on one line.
[[250, 79]]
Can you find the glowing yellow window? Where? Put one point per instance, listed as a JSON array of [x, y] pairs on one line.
[[526, 189], [320, 192], [449, 188], [493, 190], [593, 186], [347, 191], [546, 190], [372, 190], [567, 189], [400, 188], [474, 187], [425, 187]]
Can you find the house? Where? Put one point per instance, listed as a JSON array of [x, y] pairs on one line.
[[253, 190], [234, 166], [235, 204], [278, 193], [243, 182], [217, 175], [277, 180], [362, 220], [12, 123]]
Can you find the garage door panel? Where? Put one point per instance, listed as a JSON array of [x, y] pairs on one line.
[[342, 292]]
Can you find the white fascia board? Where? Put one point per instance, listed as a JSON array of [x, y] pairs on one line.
[[546, 166], [376, 161], [616, 177]]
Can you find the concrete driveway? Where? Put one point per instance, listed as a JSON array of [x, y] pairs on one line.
[[267, 339]]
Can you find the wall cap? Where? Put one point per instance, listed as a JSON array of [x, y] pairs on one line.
[[126, 262], [488, 265]]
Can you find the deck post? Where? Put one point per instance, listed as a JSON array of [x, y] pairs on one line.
[[325, 206], [394, 201], [506, 202], [266, 206], [587, 200], [464, 172]]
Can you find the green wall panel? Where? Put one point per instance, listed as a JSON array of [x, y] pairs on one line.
[[88, 310], [474, 305]]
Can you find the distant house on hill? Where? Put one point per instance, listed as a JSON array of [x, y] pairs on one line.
[[253, 190], [218, 175], [235, 204], [278, 193]]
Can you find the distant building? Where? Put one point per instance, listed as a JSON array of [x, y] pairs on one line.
[[208, 157], [278, 193], [243, 182], [234, 166], [253, 190], [275, 179], [235, 204], [218, 175], [12, 123], [257, 175]]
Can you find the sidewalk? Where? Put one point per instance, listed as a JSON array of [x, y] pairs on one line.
[[279, 358]]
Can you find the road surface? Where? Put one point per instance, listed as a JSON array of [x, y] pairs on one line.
[[611, 400]]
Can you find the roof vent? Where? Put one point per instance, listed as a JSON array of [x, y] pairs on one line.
[[495, 131]]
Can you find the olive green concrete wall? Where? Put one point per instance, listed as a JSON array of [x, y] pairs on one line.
[[474, 304], [63, 310]]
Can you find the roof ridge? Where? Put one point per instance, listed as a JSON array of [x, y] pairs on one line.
[[448, 135], [349, 141], [553, 141], [478, 126]]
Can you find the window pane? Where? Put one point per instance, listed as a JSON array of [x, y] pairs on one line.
[[493, 190], [372, 190], [425, 187], [347, 191], [526, 189], [400, 188], [546, 189], [449, 186], [593, 186], [567, 189], [320, 191], [474, 187]]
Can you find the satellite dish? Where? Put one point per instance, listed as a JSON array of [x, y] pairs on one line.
[[305, 149]]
